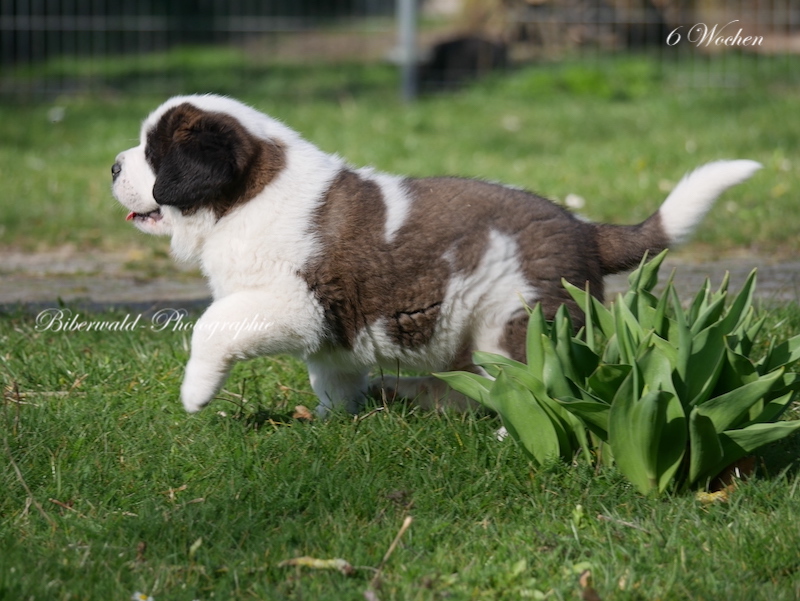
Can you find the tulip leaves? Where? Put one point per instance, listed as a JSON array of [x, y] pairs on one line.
[[671, 391]]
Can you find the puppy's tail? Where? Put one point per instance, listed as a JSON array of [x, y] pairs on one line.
[[622, 247]]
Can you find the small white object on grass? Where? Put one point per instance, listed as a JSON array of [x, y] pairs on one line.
[[573, 201]]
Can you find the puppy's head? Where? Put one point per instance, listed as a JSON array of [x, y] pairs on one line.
[[197, 153]]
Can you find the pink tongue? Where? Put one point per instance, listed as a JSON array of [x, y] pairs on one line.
[[130, 216]]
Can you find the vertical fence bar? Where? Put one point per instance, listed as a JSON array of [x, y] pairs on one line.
[[407, 42]]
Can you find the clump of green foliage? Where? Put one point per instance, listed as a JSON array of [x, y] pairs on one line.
[[673, 394]]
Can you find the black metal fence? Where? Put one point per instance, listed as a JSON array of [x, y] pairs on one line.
[[49, 47], [36, 30]]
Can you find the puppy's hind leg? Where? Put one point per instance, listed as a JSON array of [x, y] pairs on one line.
[[432, 393], [427, 392], [337, 388]]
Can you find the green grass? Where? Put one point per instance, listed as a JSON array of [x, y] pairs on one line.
[[107, 487], [619, 132], [94, 439]]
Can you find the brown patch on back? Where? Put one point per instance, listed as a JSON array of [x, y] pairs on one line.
[[205, 159], [552, 243], [360, 277]]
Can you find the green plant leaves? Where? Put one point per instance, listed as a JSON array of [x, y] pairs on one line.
[[671, 393], [785, 353], [592, 413], [645, 277], [606, 380], [541, 425], [647, 435], [705, 449], [730, 408], [526, 420], [704, 364], [471, 385], [740, 443]]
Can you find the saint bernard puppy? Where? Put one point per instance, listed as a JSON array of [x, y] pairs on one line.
[[350, 268]]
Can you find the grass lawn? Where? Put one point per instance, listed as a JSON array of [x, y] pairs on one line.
[[107, 487]]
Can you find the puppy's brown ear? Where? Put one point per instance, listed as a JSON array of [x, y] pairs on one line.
[[202, 163]]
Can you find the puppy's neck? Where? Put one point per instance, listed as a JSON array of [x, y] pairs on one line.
[[189, 234]]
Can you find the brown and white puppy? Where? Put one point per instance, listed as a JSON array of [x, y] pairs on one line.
[[351, 269]]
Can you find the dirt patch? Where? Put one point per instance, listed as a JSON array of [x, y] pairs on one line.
[[776, 281], [138, 277], [99, 278]]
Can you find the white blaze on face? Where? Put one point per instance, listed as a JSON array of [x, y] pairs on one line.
[[133, 188]]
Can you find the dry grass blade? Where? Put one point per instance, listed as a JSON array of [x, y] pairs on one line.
[[406, 524], [607, 518]]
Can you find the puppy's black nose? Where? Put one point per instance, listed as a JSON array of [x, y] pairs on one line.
[[116, 169]]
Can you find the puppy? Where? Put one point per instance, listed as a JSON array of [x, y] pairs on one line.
[[349, 268]]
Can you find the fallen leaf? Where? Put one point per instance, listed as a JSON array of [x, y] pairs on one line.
[[607, 518], [195, 547], [302, 412], [320, 564], [141, 548], [587, 591], [401, 498], [171, 492], [719, 496]]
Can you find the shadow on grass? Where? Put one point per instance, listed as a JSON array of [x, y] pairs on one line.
[[782, 457]]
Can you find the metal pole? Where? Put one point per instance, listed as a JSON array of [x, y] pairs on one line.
[[407, 34]]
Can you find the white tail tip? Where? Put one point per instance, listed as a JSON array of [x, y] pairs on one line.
[[694, 195]]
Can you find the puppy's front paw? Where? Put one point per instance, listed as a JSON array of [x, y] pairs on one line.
[[199, 387], [194, 398], [196, 394]]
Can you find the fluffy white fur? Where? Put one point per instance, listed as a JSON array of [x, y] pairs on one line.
[[693, 197]]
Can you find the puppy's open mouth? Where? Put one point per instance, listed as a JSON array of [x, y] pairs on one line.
[[144, 217]]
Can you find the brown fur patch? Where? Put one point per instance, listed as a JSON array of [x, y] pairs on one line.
[[552, 243], [622, 247], [360, 277]]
